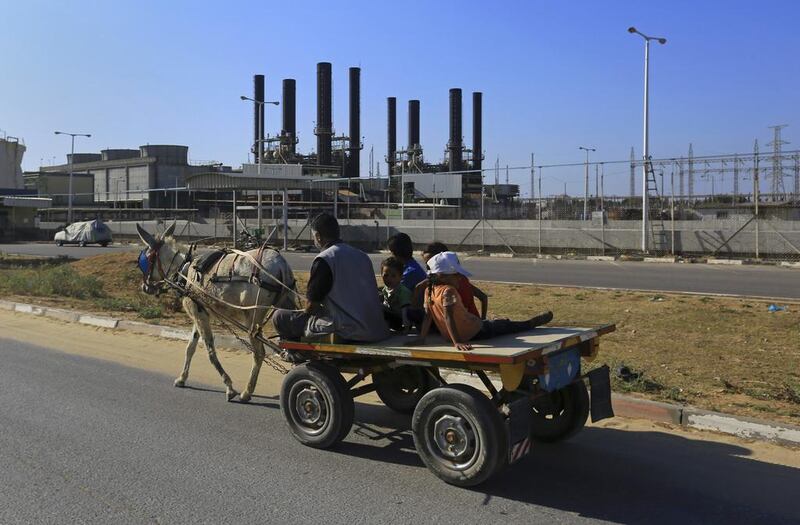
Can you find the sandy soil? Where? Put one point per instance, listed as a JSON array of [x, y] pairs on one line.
[[166, 357]]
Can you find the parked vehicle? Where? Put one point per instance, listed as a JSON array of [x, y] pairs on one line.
[[83, 233]]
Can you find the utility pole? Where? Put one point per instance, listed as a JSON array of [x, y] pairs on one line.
[[756, 189], [586, 183], [646, 131], [540, 211], [71, 168]]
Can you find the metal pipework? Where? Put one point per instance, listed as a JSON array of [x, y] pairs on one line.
[[354, 163], [324, 128], [413, 125], [289, 127], [455, 146], [391, 133]]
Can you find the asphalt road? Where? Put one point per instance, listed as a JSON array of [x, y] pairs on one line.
[[759, 281], [83, 440]]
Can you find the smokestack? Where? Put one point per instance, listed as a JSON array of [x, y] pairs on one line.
[[289, 127], [324, 128], [391, 133], [354, 163], [413, 124], [477, 130], [258, 117], [455, 130]]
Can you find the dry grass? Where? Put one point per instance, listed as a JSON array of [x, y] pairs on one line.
[[724, 354], [716, 353]]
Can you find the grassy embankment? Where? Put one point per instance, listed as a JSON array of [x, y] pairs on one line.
[[724, 354]]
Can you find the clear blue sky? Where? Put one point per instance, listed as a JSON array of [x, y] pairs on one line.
[[554, 75]]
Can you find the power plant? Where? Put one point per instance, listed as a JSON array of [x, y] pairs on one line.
[[338, 155], [457, 157]]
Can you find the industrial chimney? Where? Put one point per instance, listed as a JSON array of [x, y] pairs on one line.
[[258, 117], [324, 128], [289, 126], [454, 145], [413, 124], [354, 163], [477, 130], [391, 133]]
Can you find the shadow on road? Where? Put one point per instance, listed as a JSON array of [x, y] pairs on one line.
[[617, 475]]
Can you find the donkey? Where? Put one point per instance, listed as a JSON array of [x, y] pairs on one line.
[[235, 290]]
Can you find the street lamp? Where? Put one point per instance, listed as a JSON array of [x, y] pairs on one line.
[[71, 163], [258, 151], [586, 182], [260, 104], [646, 147]]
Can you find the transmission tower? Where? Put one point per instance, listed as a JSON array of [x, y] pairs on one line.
[[776, 186]]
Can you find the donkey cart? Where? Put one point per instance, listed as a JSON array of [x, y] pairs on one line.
[[461, 434]]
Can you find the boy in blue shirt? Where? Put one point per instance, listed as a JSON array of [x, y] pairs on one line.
[[401, 247]]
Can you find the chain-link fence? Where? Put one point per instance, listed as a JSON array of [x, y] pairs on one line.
[[723, 206]]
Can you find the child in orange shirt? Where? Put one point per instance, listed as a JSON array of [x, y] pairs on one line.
[[444, 307], [466, 290]]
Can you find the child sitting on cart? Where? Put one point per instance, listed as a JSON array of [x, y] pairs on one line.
[[395, 296], [466, 290], [444, 307]]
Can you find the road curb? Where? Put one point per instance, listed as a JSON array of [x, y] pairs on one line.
[[742, 427], [624, 406]]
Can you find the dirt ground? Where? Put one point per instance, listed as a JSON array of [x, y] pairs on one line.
[[717, 353], [166, 357]]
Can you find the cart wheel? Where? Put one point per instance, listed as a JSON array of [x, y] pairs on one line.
[[82, 244], [59, 243], [560, 414], [104, 244], [460, 435], [401, 388], [317, 405]]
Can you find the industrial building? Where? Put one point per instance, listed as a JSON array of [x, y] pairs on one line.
[[11, 153], [55, 185], [128, 177]]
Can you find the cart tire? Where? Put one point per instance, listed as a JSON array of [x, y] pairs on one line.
[[560, 414], [59, 243], [317, 405], [401, 388], [104, 244], [82, 244], [460, 435]]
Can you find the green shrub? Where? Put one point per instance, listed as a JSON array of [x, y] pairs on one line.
[[59, 280]]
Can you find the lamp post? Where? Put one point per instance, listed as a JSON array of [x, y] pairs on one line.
[[71, 163], [586, 182], [646, 130], [259, 141], [260, 104]]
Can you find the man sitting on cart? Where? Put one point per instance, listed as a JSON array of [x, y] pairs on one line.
[[340, 296], [444, 307]]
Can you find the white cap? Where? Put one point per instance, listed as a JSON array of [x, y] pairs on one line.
[[446, 263]]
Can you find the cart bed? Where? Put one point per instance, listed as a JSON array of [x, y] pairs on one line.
[[508, 349]]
